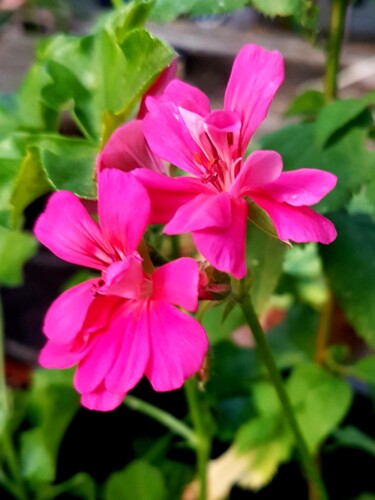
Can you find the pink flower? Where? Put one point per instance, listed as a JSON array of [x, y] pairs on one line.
[[210, 146], [123, 325], [127, 148]]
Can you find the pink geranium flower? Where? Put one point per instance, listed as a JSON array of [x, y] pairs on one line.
[[210, 146], [124, 324]]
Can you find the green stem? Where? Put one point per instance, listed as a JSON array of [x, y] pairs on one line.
[[203, 446], [336, 33], [307, 460], [162, 417]]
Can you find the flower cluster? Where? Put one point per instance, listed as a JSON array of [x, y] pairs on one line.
[[128, 322]]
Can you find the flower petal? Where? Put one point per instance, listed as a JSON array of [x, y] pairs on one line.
[[255, 78], [168, 194], [121, 196], [133, 354], [261, 167], [170, 139], [124, 278], [177, 283], [67, 314], [59, 356], [101, 399], [299, 224], [127, 149], [224, 248], [178, 346], [204, 211], [185, 96], [69, 232], [305, 186]]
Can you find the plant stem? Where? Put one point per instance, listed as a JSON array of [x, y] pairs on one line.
[[307, 460], [203, 445], [324, 330], [336, 32], [162, 417]]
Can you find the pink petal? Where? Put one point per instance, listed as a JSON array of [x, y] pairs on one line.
[[299, 224], [67, 314], [177, 283], [261, 167], [58, 356], [133, 354], [170, 139], [223, 129], [101, 399], [204, 211], [178, 346], [158, 86], [224, 248], [185, 96], [99, 358], [305, 186], [127, 149], [124, 278], [69, 232], [168, 194], [255, 78], [121, 196]]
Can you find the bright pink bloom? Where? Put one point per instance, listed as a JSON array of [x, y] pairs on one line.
[[123, 325], [210, 146], [127, 148]]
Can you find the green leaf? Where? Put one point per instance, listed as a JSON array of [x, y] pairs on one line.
[[81, 485], [168, 10], [16, 248], [350, 266], [320, 400], [264, 256], [131, 483], [218, 329], [351, 437], [261, 219], [307, 104], [278, 7], [334, 116], [364, 369], [347, 157], [69, 163], [52, 405]]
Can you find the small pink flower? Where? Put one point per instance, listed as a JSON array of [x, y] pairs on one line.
[[123, 325], [127, 148], [210, 146]]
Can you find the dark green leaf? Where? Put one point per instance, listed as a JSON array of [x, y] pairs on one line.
[[347, 158], [350, 265], [131, 483], [219, 329], [79, 486], [364, 369], [16, 248], [334, 116], [351, 437], [307, 104]]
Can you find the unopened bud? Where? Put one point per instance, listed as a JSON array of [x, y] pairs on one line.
[[213, 284]]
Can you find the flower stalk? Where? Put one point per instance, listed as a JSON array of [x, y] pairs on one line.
[[307, 460], [336, 33]]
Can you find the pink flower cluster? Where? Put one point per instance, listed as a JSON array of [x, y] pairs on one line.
[[128, 323]]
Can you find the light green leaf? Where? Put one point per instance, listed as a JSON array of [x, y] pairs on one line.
[[347, 157], [80, 485], [218, 329], [131, 483], [321, 401], [350, 266], [334, 116], [307, 104], [16, 248], [37, 462], [264, 256]]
